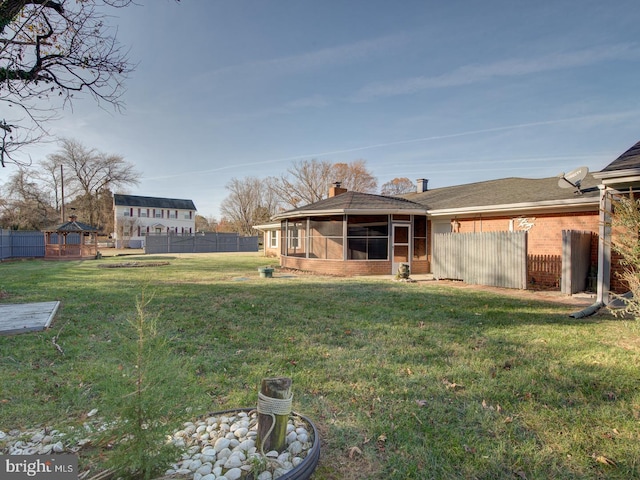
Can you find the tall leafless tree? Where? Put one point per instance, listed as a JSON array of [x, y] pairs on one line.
[[354, 176], [308, 181], [49, 51], [247, 204], [25, 205], [398, 186], [90, 175]]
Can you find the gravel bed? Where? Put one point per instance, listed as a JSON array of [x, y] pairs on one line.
[[224, 448], [218, 447]]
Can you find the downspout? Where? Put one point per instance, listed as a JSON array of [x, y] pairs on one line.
[[604, 247], [590, 310], [604, 257]]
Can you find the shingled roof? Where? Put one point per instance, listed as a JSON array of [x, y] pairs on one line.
[[629, 160], [72, 226], [506, 192], [355, 203], [152, 202]]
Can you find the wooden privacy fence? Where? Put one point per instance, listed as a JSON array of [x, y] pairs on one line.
[[21, 244], [496, 259], [576, 260], [209, 242], [544, 271]]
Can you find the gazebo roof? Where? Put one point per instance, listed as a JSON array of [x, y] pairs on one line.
[[73, 226]]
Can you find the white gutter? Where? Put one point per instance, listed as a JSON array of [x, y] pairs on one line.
[[267, 226], [627, 172], [618, 180], [550, 205]]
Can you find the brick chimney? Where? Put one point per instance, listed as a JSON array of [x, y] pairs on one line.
[[336, 190], [422, 184]]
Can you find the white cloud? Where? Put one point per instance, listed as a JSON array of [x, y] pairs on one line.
[[311, 61], [469, 74]]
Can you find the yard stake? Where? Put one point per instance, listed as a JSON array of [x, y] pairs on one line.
[[274, 408]]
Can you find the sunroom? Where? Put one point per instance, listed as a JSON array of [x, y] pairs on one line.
[[352, 233]]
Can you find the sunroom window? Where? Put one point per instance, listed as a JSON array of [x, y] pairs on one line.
[[368, 237]]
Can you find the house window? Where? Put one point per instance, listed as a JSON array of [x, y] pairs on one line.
[[368, 237], [294, 233], [273, 239], [125, 213], [419, 238]]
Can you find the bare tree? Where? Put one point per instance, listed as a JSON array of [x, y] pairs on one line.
[[26, 206], [398, 186], [49, 51], [308, 181], [49, 175], [89, 174], [354, 176], [246, 206], [206, 224], [126, 229], [305, 182]]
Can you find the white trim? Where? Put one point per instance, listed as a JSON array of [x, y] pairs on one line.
[[268, 226], [550, 205], [633, 172]]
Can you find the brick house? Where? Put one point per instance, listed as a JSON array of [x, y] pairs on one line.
[[136, 217], [539, 206], [352, 233], [270, 238]]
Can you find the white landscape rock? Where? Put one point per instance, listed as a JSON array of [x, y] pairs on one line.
[[221, 444], [216, 448], [233, 474]]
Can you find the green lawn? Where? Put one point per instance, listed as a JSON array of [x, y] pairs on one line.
[[403, 380]]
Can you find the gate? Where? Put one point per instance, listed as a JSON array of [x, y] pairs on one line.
[[576, 261], [497, 259]]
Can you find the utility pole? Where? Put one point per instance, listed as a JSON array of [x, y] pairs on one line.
[[62, 195]]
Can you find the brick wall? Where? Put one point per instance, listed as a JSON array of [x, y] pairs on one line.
[[545, 231], [348, 267]]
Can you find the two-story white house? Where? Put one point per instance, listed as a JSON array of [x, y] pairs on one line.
[[137, 217]]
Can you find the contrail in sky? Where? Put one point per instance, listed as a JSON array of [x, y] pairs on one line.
[[404, 142]]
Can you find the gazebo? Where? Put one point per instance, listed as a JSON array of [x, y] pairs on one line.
[[72, 240]]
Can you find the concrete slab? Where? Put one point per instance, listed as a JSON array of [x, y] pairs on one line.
[[26, 317]]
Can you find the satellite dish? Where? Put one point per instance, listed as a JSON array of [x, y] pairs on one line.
[[573, 178]]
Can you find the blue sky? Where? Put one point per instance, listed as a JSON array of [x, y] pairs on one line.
[[456, 91]]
